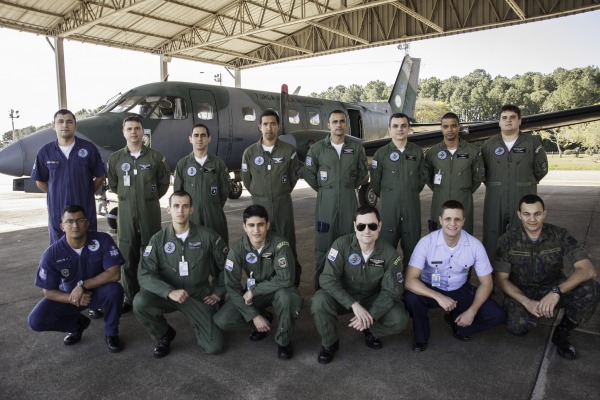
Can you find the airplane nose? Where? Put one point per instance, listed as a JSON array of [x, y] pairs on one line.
[[11, 159]]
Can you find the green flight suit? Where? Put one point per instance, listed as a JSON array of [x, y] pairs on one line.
[[270, 178], [509, 175], [273, 269], [536, 267], [376, 284], [462, 173], [209, 187], [335, 178], [398, 178], [139, 207], [205, 253]]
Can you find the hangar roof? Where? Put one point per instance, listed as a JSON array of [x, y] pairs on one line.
[[249, 33]]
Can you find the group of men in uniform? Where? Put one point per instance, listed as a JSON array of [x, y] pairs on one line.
[[188, 266]]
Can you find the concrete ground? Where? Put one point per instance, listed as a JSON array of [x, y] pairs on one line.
[[494, 365]]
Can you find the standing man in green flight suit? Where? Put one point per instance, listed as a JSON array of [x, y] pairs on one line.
[[175, 272], [139, 176], [270, 172], [454, 171], [335, 167], [206, 178], [515, 162], [362, 275], [397, 177], [267, 261]]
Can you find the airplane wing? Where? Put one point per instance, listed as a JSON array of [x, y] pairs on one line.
[[473, 132]]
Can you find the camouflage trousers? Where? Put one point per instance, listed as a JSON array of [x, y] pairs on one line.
[[579, 304]]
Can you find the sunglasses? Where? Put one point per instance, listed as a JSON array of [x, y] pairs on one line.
[[372, 226]]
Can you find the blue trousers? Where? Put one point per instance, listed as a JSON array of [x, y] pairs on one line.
[[489, 315], [50, 315]]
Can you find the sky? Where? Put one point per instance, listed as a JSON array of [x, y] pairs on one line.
[[95, 73]]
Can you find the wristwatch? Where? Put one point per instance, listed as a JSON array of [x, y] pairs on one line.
[[556, 289], [80, 284]]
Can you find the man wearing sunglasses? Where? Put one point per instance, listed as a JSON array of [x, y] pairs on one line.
[[81, 270], [362, 275], [529, 265], [437, 277]]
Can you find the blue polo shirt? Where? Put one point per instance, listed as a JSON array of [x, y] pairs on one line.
[[433, 253], [61, 267], [70, 181]]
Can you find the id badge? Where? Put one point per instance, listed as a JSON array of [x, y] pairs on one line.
[[437, 179], [436, 280], [250, 283], [127, 180], [183, 267]]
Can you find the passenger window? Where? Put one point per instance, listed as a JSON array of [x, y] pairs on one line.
[[293, 117], [249, 114], [314, 118], [204, 111]]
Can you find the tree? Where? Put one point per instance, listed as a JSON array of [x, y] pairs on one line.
[[428, 110], [377, 91]]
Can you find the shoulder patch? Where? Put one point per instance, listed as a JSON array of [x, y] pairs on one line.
[[282, 262], [229, 265], [308, 161], [244, 167], [374, 164], [398, 261], [332, 254], [399, 277], [280, 245]]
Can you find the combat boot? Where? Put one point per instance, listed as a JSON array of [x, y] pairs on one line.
[[560, 338]]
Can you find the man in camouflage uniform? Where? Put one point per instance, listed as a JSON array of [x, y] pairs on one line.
[[454, 171], [335, 167], [139, 176], [529, 268], [182, 271], [362, 275], [267, 261], [514, 162], [270, 172], [397, 177], [205, 177]]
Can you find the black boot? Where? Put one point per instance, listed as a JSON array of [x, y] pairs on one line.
[[560, 338]]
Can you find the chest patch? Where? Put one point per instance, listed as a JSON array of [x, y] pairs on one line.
[[125, 167], [394, 156], [82, 153], [278, 160], [94, 245], [169, 247], [519, 150], [354, 259], [192, 171], [411, 157], [499, 151], [462, 156], [442, 155], [348, 151], [251, 258], [259, 160]]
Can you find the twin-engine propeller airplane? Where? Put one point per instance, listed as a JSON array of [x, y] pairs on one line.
[[170, 110]]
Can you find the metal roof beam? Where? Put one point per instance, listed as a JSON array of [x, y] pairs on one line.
[[89, 14], [515, 7], [173, 47], [338, 32], [417, 16]]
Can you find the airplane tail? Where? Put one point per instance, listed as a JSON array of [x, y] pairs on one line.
[[404, 93]]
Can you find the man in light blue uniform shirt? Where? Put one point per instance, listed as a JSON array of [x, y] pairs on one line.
[[437, 276]]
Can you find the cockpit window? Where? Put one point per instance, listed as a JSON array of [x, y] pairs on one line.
[[153, 107], [125, 104], [314, 118]]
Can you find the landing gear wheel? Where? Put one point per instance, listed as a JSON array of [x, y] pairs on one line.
[[235, 190], [111, 218], [366, 196]]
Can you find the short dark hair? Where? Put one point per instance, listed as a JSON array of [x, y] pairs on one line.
[[337, 112], [200, 126], [72, 209], [511, 107], [64, 111], [452, 205], [133, 118], [531, 199], [181, 193], [364, 210], [255, 210], [449, 115], [269, 113], [398, 115]]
